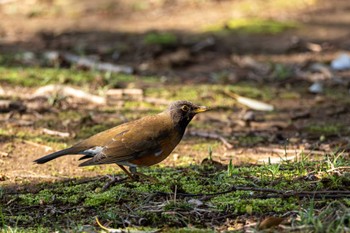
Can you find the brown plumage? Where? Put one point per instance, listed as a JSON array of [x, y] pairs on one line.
[[143, 142]]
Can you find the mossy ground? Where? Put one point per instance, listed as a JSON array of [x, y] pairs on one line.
[[75, 203]]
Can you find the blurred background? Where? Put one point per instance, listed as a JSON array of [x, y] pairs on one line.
[[184, 35], [69, 69]]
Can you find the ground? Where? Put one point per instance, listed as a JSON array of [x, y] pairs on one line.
[[202, 51]]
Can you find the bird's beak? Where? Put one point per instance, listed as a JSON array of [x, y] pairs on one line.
[[201, 109]]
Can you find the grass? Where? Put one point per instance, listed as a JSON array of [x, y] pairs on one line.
[[39, 76], [61, 201], [333, 217]]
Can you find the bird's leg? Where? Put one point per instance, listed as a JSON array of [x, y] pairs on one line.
[[114, 179], [127, 172], [134, 172]]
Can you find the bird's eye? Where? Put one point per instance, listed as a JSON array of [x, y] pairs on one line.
[[185, 108]]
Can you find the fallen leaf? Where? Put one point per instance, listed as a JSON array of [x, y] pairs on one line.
[[251, 103], [270, 222]]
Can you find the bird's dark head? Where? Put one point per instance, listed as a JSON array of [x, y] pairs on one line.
[[183, 111]]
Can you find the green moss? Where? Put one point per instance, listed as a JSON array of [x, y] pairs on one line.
[[165, 38], [38, 229], [69, 115], [95, 199], [325, 128], [30, 77], [113, 204], [254, 26], [250, 140], [263, 93], [38, 76], [202, 145], [236, 204], [44, 196]]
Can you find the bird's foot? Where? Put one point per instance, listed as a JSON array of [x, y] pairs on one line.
[[138, 176], [113, 180]]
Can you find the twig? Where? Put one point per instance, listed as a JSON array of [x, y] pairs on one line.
[[91, 64], [49, 90], [338, 168], [114, 180], [212, 136], [55, 133], [47, 148]]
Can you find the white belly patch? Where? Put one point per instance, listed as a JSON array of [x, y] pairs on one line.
[[94, 151]]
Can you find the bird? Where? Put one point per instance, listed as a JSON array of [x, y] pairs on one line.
[[139, 143]]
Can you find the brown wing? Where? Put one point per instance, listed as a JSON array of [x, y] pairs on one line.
[[133, 140]]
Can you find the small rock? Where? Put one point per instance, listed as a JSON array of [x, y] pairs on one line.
[[342, 62], [51, 56], [248, 116], [28, 57], [316, 88], [321, 68], [195, 202]]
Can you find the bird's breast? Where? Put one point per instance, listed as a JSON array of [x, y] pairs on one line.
[[166, 146]]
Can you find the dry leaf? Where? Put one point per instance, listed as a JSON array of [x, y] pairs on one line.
[[270, 222], [251, 103]]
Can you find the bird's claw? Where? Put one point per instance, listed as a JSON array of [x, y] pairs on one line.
[[142, 177], [113, 180]]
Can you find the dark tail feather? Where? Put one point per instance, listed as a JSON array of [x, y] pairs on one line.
[[55, 155], [89, 156], [87, 163]]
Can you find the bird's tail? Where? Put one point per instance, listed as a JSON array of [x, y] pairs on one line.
[[55, 155]]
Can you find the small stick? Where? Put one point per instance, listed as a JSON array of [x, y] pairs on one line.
[[91, 64], [63, 90], [55, 133], [47, 148]]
